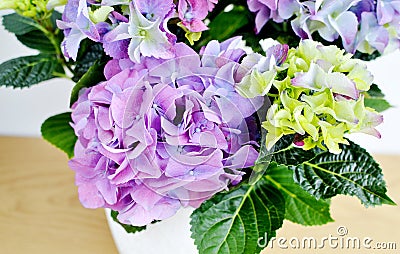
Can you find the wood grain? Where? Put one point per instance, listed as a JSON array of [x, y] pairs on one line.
[[40, 211]]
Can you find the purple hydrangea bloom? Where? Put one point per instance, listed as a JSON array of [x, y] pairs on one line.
[[77, 26], [278, 10], [330, 19], [193, 12], [371, 36], [116, 48], [112, 2], [155, 9], [387, 10], [217, 54], [394, 34], [364, 26], [163, 134], [140, 35], [363, 6]]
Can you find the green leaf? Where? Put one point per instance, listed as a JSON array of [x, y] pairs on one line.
[[353, 172], [375, 91], [286, 153], [57, 131], [26, 71], [235, 221], [379, 104], [54, 17], [37, 40], [92, 77], [225, 25], [18, 24], [89, 53], [366, 56], [301, 207], [128, 228], [375, 99], [31, 34], [263, 161]]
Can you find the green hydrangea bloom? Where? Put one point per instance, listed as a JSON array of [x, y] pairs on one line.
[[27, 8], [100, 14], [54, 3], [256, 84], [258, 72], [8, 4], [192, 37], [333, 135], [331, 59], [286, 86], [321, 98]]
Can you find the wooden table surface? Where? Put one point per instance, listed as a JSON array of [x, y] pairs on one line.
[[40, 211]]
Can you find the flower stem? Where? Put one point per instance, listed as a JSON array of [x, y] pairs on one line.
[[51, 33]]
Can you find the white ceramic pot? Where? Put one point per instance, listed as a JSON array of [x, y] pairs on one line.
[[171, 236]]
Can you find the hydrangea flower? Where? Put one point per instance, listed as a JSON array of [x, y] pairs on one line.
[[387, 10], [27, 8], [78, 25], [114, 2], [371, 36], [193, 12], [321, 99], [163, 134], [143, 33], [54, 3], [277, 10], [329, 18], [363, 6], [364, 26], [261, 71], [8, 4], [155, 9]]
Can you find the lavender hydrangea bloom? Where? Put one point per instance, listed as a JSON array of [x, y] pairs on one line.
[[388, 18], [114, 2], [144, 35], [77, 26], [278, 10], [193, 12], [155, 9], [387, 10], [363, 6], [330, 19], [364, 26], [218, 54], [163, 134], [394, 34], [371, 36]]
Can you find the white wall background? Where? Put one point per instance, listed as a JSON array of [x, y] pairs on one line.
[[23, 111]]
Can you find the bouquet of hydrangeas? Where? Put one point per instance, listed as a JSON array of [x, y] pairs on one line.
[[239, 109]]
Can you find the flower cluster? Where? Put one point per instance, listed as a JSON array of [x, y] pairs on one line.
[[277, 10], [321, 99], [158, 125], [364, 26], [30, 8], [169, 129], [164, 134], [131, 28]]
